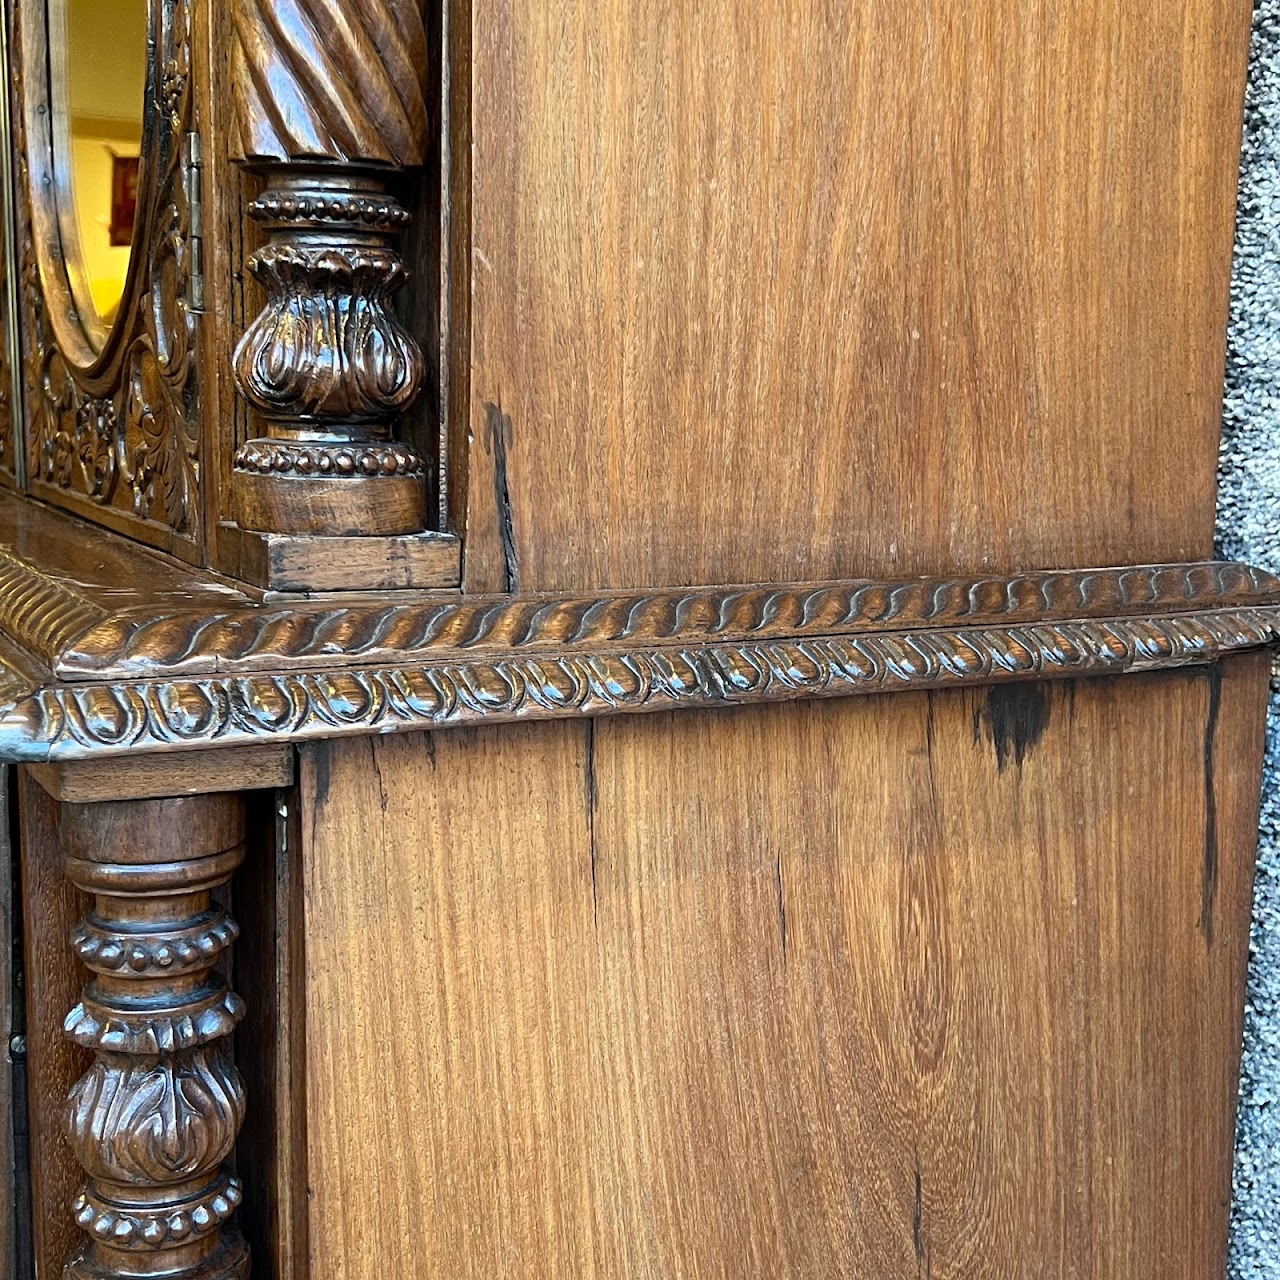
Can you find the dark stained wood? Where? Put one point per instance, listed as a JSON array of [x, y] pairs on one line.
[[807, 297], [51, 906], [934, 984], [12, 1175], [185, 1139], [81, 573], [233, 297], [327, 363], [132, 656], [155, 1117], [60, 722], [83, 641], [271, 1041], [135, 425], [186, 773], [10, 352], [113, 426], [785, 291]]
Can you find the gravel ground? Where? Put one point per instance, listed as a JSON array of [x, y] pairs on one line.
[[1249, 529]]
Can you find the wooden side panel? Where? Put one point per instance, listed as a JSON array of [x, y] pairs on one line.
[[51, 907], [793, 290], [9, 1170], [940, 984], [268, 962]]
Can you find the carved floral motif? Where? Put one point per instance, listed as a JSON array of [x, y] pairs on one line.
[[328, 345], [156, 1120], [132, 445], [330, 105]]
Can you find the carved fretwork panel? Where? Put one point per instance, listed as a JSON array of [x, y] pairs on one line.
[[112, 421]]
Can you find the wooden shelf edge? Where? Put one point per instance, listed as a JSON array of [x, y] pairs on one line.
[[106, 651], [79, 721], [174, 773]]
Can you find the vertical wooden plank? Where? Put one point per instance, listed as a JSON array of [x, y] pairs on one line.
[[931, 984], [51, 907], [270, 1042], [790, 291], [9, 1173], [480, 1043]]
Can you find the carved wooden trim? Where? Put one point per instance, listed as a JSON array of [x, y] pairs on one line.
[[41, 613], [161, 675], [19, 675], [340, 80], [11, 462], [330, 103], [113, 419], [154, 1120], [315, 635], [72, 722]]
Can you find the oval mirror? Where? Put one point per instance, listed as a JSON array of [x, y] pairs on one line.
[[98, 75]]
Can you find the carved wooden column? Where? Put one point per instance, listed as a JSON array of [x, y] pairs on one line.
[[330, 107], [155, 1119]]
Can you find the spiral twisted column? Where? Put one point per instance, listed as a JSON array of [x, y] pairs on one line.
[[155, 1119], [330, 107]]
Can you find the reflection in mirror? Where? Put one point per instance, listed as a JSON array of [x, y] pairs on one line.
[[106, 69]]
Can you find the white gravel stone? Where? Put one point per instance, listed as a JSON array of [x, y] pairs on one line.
[[1249, 529]]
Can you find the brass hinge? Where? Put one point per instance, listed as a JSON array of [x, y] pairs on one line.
[[193, 176]]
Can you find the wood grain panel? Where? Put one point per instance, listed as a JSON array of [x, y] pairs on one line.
[[270, 1155], [793, 290], [941, 984], [12, 1174], [51, 906]]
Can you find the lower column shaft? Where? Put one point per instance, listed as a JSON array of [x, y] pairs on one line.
[[155, 1118]]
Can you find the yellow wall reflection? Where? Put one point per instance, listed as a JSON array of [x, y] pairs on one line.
[[106, 73]]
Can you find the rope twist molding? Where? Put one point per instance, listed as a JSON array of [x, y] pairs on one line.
[[70, 721]]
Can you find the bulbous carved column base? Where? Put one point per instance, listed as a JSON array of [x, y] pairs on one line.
[[328, 364], [368, 487]]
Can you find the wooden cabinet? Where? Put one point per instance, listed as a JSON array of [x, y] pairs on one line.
[[840, 386]]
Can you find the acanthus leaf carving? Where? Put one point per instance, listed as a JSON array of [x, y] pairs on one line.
[[148, 1120], [330, 107], [328, 344]]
